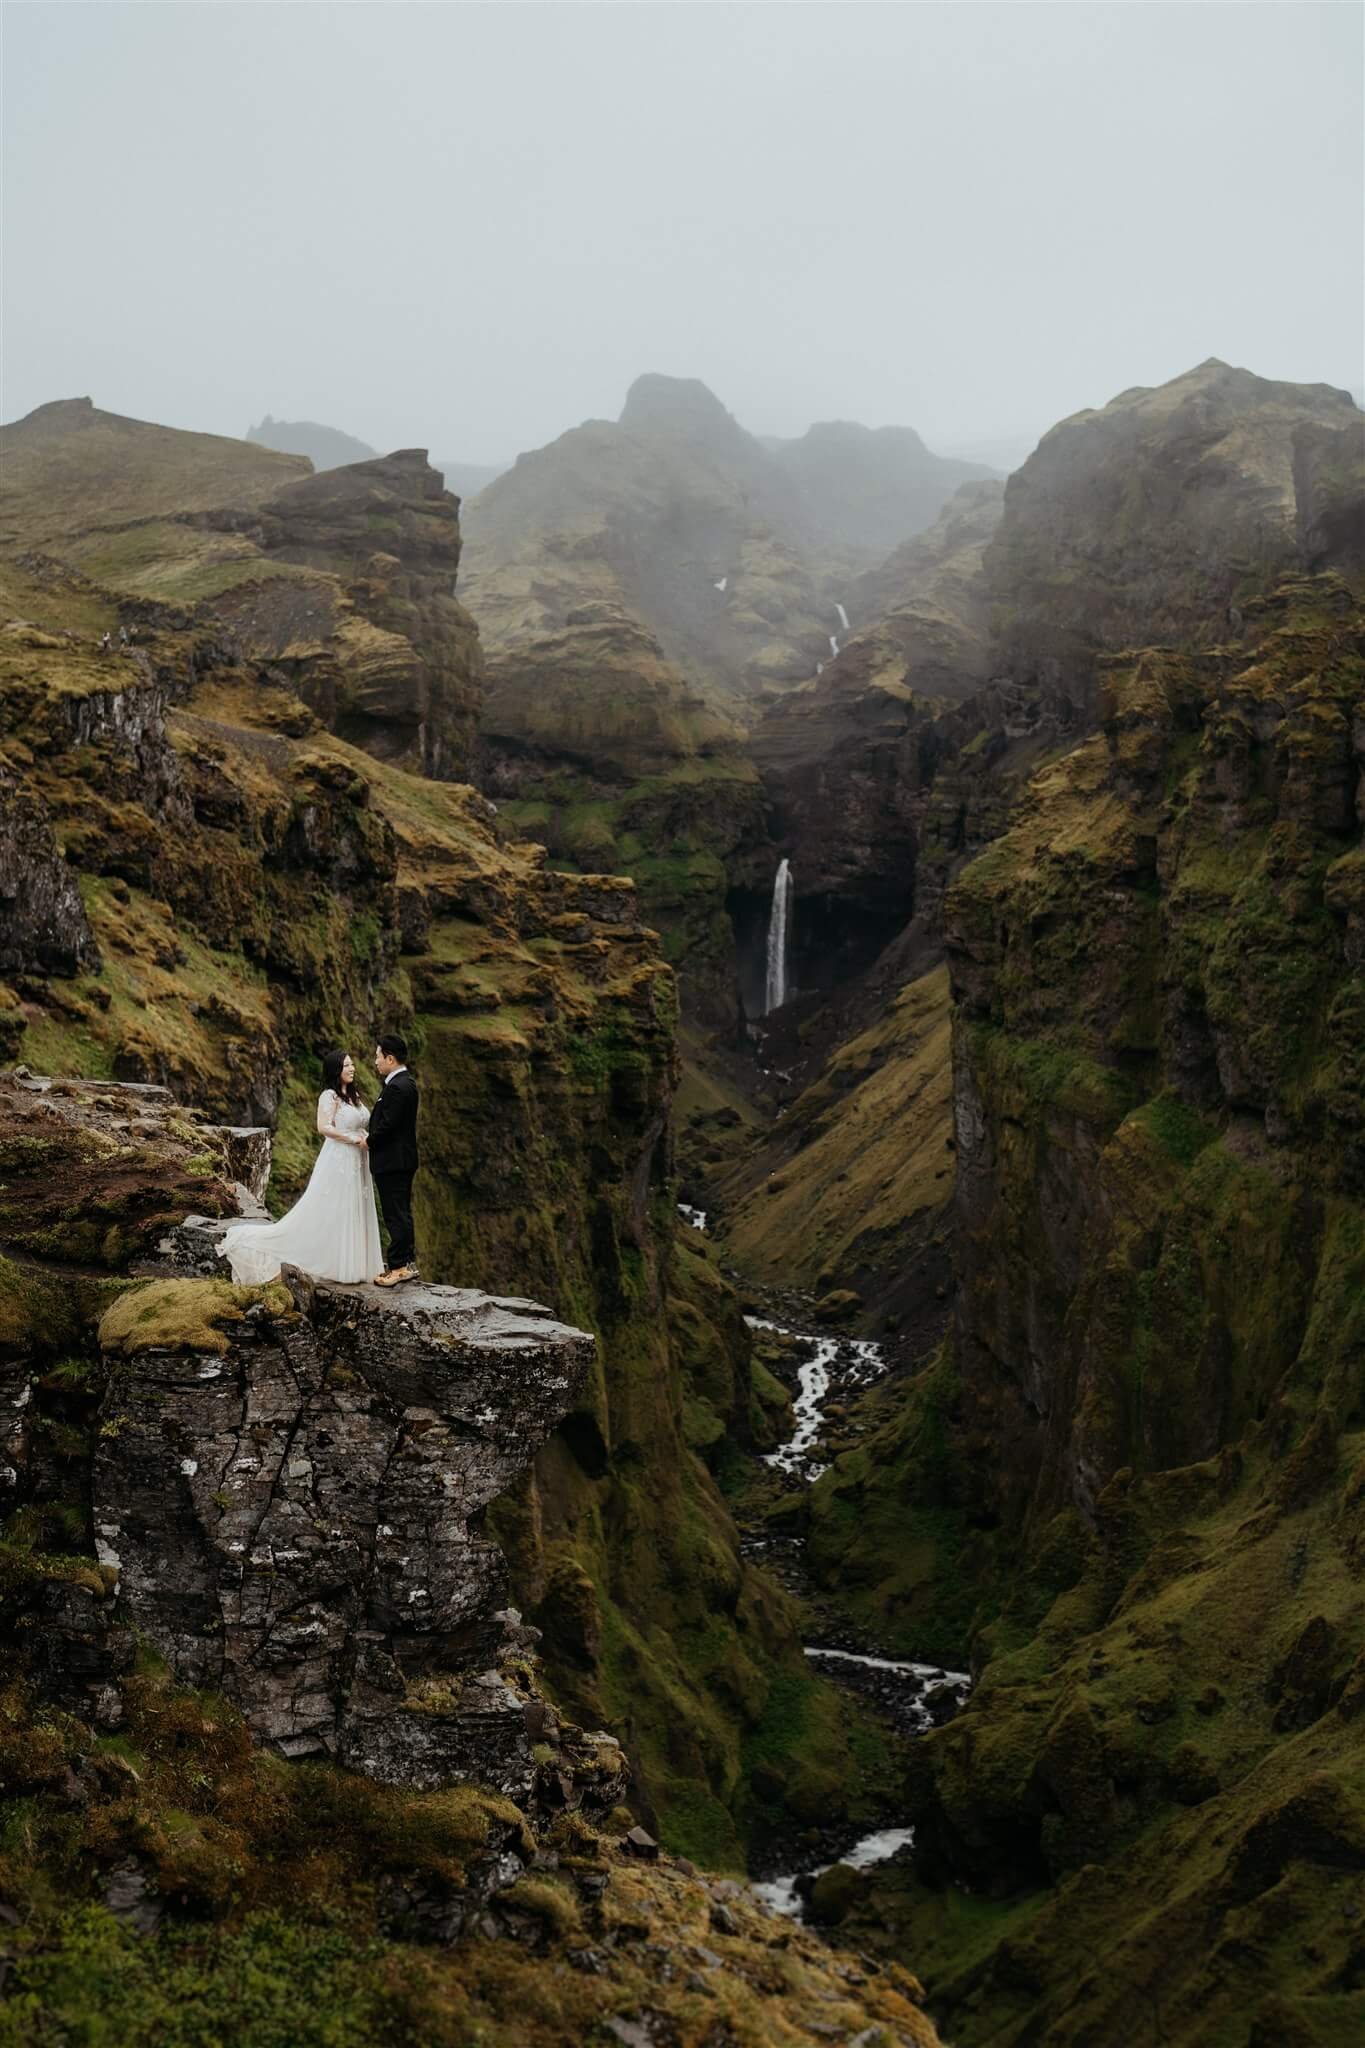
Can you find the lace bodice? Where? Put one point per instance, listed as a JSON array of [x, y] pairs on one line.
[[337, 1115]]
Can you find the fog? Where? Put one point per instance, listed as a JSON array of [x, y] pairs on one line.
[[469, 227]]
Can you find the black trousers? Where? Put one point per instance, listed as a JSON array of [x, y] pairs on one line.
[[395, 1199]]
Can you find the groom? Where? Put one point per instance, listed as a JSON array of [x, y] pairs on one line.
[[393, 1156]]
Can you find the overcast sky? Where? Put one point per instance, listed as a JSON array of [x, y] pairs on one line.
[[468, 227]]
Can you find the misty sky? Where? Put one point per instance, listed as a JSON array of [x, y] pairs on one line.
[[468, 227]]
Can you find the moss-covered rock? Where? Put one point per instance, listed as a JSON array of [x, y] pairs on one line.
[[172, 1869], [180, 1315], [1150, 1417]]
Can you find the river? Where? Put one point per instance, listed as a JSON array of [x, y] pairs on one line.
[[913, 1696]]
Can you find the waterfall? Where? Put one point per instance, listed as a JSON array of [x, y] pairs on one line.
[[779, 939], [843, 616]]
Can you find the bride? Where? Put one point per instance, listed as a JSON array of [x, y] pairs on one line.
[[332, 1231]]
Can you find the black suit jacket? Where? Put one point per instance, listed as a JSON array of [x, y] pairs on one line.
[[393, 1126]]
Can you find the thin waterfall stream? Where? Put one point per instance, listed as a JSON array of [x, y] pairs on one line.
[[776, 988]]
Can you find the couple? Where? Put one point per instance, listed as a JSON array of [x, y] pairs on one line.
[[332, 1231]]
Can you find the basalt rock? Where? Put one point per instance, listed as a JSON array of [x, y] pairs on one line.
[[43, 925], [290, 1517], [403, 677]]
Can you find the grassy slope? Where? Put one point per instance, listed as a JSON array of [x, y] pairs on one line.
[[861, 1165], [69, 468]]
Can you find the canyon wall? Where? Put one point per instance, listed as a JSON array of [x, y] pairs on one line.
[[1131, 1476]]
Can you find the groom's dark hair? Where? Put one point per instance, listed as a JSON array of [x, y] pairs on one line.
[[394, 1046]]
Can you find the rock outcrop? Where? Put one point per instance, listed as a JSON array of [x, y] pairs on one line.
[[403, 676], [339, 586], [1151, 521], [1198, 858], [369, 1808], [43, 925], [289, 1506], [96, 1172]]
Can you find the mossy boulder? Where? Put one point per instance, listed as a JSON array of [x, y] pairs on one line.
[[837, 1306], [182, 1315], [833, 1894]]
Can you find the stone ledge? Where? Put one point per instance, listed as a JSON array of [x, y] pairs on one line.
[[293, 1521]]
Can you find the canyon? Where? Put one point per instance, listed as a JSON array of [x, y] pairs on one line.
[[949, 890]]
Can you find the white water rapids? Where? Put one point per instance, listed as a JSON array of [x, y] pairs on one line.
[[909, 1670], [812, 1388], [814, 1377], [782, 1895]]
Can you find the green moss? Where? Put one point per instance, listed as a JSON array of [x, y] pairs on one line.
[[182, 1315], [1181, 1130], [1049, 1072], [271, 1985], [549, 1903], [39, 1315]]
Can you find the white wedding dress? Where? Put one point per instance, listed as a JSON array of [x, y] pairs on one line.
[[332, 1231]]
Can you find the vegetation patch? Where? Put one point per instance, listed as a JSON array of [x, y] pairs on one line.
[[183, 1315]]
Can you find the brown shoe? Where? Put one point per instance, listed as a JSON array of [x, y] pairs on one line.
[[388, 1278], [403, 1273]]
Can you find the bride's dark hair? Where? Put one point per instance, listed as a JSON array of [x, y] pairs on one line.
[[332, 1064]]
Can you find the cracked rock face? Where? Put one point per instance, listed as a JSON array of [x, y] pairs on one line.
[[43, 926], [294, 1519]]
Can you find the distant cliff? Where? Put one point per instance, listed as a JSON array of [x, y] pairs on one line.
[[325, 447]]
